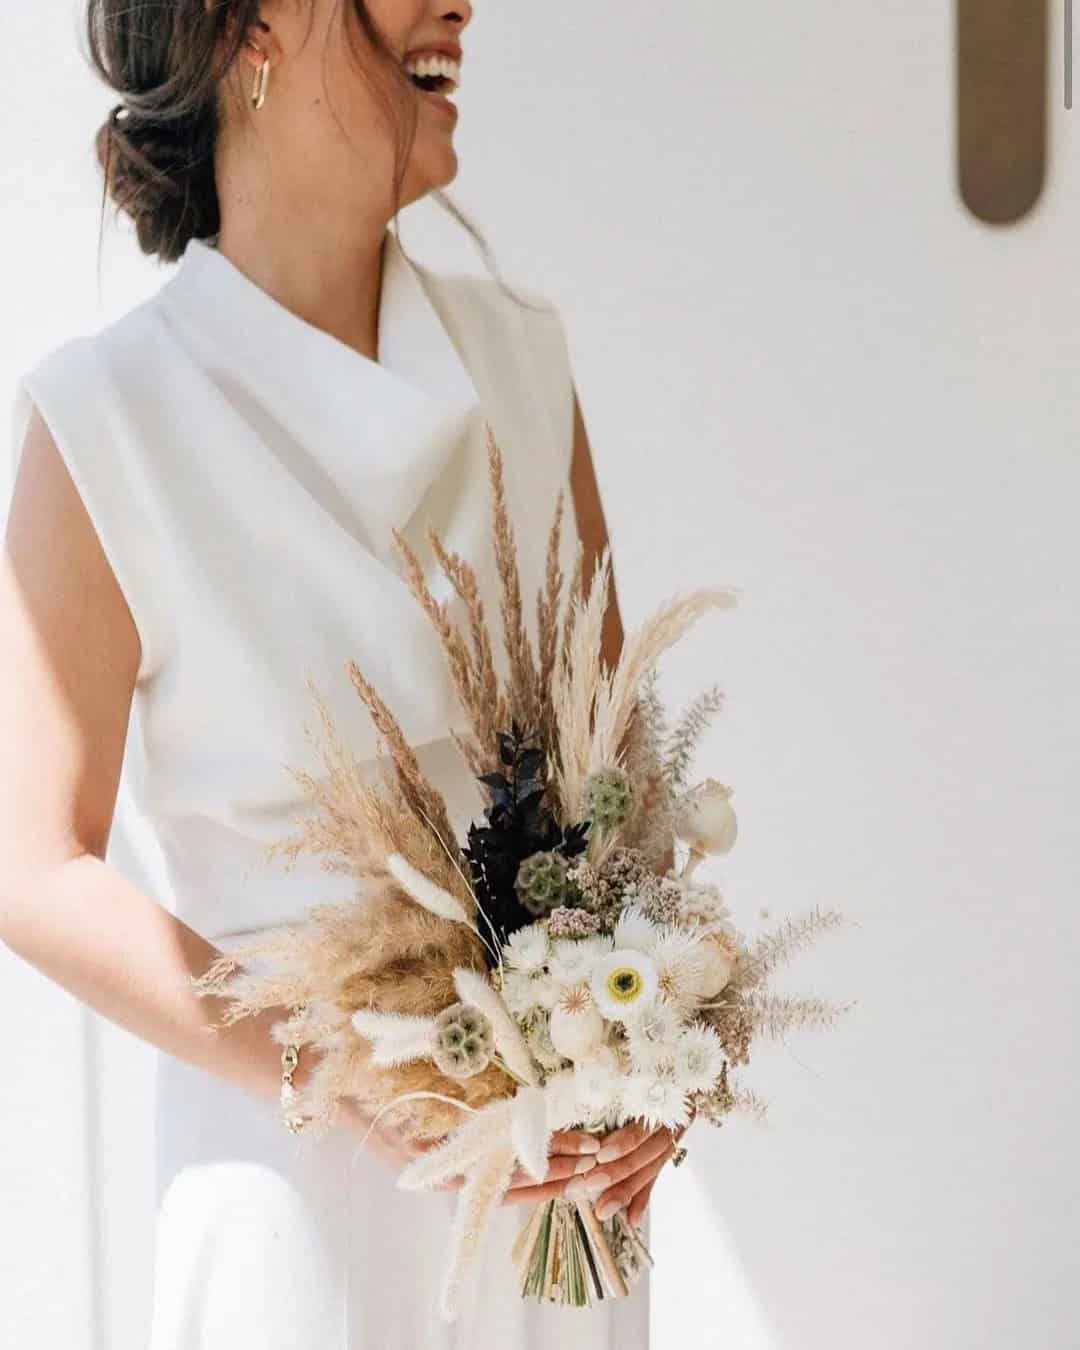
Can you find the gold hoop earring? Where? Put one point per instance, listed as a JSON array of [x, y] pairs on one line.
[[258, 88]]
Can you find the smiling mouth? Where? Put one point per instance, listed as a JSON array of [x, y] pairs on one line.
[[433, 84]]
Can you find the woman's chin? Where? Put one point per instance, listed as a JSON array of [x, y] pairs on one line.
[[434, 166]]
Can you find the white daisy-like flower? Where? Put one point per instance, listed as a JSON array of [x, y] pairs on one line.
[[656, 1099], [635, 930], [572, 959], [652, 1034], [698, 1059], [526, 948], [622, 982], [682, 964]]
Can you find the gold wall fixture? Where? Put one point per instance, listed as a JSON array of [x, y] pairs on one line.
[[1001, 98]]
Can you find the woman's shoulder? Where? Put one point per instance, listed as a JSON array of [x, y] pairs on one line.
[[132, 336]]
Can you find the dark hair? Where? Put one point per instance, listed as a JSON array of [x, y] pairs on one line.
[[166, 60]]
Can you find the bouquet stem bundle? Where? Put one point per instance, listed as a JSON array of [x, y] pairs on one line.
[[566, 1255]]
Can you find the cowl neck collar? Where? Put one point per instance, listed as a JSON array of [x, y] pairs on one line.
[[386, 427]]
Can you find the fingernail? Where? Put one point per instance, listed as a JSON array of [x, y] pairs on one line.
[[606, 1209], [585, 1164], [607, 1153], [595, 1183], [574, 1189], [589, 1145]]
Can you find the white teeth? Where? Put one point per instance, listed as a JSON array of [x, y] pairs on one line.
[[434, 65]]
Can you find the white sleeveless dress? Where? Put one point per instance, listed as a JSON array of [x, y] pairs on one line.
[[243, 470]]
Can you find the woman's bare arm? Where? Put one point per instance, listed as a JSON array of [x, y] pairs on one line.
[[66, 687], [71, 652]]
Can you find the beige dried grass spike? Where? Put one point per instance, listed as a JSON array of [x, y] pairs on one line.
[[523, 682], [488, 711], [575, 689], [421, 795], [640, 652], [548, 599]]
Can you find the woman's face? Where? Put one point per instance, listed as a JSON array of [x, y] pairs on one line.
[[332, 101]]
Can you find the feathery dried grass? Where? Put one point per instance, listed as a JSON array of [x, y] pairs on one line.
[[775, 1015], [639, 654], [377, 950], [418, 792], [548, 601], [686, 735], [576, 689], [650, 826], [487, 708], [772, 950]]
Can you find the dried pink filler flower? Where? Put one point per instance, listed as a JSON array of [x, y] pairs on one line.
[[565, 922]]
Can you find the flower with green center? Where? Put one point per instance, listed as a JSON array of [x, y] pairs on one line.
[[462, 1041], [606, 799], [622, 983], [541, 882]]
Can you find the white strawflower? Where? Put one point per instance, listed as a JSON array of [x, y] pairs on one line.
[[698, 1059], [622, 982], [652, 1034], [537, 1034], [521, 992], [635, 930], [576, 1027], [655, 1098], [683, 966], [526, 948], [562, 1100], [571, 960], [598, 1082]]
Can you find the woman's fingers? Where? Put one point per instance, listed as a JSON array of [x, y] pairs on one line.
[[635, 1210], [621, 1194], [561, 1166], [622, 1141], [654, 1144], [575, 1142], [529, 1194]]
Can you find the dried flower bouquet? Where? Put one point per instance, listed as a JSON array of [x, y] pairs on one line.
[[549, 972]]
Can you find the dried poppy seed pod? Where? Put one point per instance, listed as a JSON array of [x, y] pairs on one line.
[[721, 954], [705, 819], [461, 1041]]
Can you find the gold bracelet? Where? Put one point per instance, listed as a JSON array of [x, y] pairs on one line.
[[290, 1057]]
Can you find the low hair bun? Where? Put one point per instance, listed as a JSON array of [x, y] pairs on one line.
[[161, 174]]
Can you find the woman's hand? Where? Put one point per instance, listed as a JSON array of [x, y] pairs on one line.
[[572, 1154], [629, 1161]]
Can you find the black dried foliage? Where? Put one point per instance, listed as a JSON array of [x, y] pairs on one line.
[[519, 824]]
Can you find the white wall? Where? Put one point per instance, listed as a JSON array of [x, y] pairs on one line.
[[802, 362]]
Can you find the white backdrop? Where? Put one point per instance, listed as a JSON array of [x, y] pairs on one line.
[[806, 372]]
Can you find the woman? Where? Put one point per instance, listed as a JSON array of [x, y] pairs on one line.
[[201, 517]]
